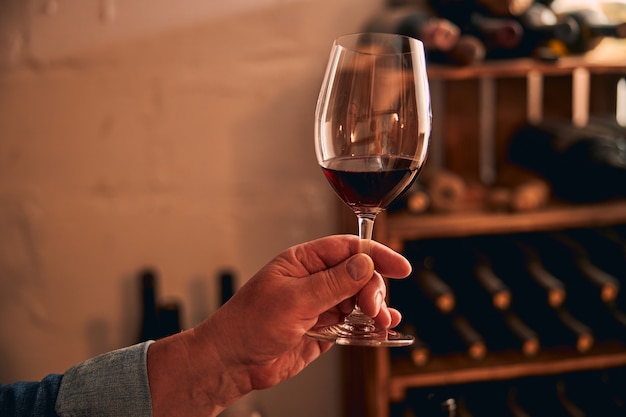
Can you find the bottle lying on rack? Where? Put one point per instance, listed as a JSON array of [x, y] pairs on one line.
[[518, 190], [581, 164], [442, 38], [437, 191], [443, 333], [520, 267], [545, 34], [594, 26], [435, 32], [496, 32], [566, 258], [418, 352], [472, 272], [577, 394], [435, 288], [605, 248]]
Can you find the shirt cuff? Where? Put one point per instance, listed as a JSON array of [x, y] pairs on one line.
[[112, 384]]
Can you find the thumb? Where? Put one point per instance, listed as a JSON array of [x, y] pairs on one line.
[[333, 285]]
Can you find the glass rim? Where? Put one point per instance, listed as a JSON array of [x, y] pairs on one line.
[[341, 42]]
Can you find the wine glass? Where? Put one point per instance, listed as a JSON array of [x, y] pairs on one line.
[[372, 129]]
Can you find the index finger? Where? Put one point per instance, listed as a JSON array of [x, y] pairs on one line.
[[331, 250]]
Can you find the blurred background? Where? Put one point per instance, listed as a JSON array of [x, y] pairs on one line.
[[143, 133]]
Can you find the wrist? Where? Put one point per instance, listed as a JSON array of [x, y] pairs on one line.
[[188, 375]]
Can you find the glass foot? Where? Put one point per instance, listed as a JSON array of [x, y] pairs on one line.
[[359, 330]]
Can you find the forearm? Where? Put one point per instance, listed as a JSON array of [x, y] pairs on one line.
[[188, 376]]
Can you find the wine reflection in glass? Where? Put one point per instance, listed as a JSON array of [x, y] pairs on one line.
[[372, 130]]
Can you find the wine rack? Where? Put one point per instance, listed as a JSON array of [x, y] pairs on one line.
[[475, 111]]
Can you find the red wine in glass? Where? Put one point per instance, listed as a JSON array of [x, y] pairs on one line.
[[370, 182]]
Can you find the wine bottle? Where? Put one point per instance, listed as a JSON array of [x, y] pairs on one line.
[[446, 189], [515, 408], [496, 33], [607, 319], [149, 329], [553, 289], [594, 26], [557, 326], [505, 8], [582, 164], [419, 351], [169, 314], [572, 259], [468, 50], [503, 330], [487, 399], [435, 288], [543, 396], [518, 189], [499, 324], [226, 285], [427, 403], [418, 22], [415, 200], [442, 333], [604, 246], [595, 393], [543, 29], [520, 267], [467, 271]]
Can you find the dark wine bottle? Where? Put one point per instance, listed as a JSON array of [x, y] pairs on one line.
[[149, 329], [435, 288], [435, 32], [169, 314], [519, 190], [605, 248], [503, 330], [496, 33], [442, 333], [572, 260], [415, 200], [505, 7], [483, 274], [544, 31], [426, 403], [607, 319], [595, 394], [520, 267], [418, 352], [226, 285], [544, 396], [594, 26], [487, 399], [468, 50], [557, 326], [582, 164]]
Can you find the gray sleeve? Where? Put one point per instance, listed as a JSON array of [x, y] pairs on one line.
[[110, 385]]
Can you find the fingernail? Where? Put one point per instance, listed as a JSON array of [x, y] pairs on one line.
[[379, 301], [357, 267]]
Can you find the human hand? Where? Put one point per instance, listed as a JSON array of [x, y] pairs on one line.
[[258, 338]]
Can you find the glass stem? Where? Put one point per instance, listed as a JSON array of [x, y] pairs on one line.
[[366, 229]]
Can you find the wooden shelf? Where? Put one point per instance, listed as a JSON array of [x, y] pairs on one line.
[[403, 226], [458, 369]]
